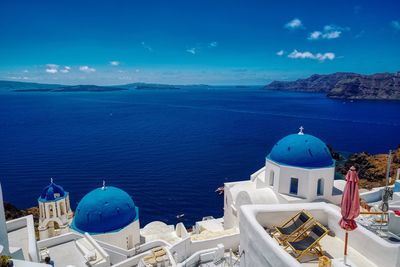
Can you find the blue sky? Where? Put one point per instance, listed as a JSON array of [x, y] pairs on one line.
[[189, 42]]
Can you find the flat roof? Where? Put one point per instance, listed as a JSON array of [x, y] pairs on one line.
[[333, 248], [67, 254], [19, 238]]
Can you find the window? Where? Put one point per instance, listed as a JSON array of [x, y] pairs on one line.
[[294, 185], [320, 187], [271, 178]]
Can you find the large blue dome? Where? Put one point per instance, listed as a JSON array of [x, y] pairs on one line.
[[301, 150], [52, 192], [104, 210]]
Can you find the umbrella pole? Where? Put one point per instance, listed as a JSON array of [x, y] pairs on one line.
[[345, 247]]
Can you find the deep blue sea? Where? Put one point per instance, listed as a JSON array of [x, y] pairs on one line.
[[170, 149]]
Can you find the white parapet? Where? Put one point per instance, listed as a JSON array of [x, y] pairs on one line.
[[260, 249]]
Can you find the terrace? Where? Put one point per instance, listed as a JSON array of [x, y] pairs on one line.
[[261, 249]]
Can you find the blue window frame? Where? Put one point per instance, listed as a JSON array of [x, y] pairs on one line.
[[294, 185], [320, 187]]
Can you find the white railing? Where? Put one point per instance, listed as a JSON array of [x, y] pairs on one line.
[[57, 240]]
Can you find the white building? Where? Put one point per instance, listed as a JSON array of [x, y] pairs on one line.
[[17, 239], [110, 215], [299, 168], [55, 212], [259, 248]]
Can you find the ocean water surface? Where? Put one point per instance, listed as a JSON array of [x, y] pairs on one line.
[[169, 149]]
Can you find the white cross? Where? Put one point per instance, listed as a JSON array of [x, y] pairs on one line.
[[104, 185], [51, 180], [301, 130]]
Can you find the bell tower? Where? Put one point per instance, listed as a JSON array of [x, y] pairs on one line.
[[54, 211]]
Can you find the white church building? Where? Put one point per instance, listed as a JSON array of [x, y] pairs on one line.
[[55, 212], [298, 169], [110, 215]]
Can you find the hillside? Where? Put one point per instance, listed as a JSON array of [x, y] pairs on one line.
[[13, 212], [75, 88], [148, 86], [343, 85], [371, 168], [11, 86]]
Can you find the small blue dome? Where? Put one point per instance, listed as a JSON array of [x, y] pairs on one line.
[[104, 210], [52, 192], [301, 150]]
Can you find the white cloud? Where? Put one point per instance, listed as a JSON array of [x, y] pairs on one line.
[[329, 32], [147, 47], [294, 24], [280, 53], [191, 50], [66, 69], [25, 71], [52, 68], [114, 63], [315, 35], [213, 44], [308, 55], [395, 24], [87, 69]]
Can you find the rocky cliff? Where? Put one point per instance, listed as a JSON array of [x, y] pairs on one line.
[[381, 86], [13, 212], [371, 168]]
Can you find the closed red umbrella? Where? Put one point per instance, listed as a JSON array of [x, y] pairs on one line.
[[350, 206]]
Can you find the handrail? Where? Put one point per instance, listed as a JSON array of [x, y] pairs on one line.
[[373, 213]]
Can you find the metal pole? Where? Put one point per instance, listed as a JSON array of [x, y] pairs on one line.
[[346, 238], [385, 192], [388, 168]]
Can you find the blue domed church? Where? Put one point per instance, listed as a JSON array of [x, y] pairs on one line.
[[55, 213], [299, 168], [108, 214]]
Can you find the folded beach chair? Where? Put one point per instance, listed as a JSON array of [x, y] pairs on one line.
[[292, 227], [308, 241]]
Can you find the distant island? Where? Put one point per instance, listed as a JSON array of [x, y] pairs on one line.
[[39, 87], [346, 85], [75, 88], [148, 86]]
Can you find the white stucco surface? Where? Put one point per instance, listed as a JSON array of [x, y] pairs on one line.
[[67, 254], [260, 249], [19, 238], [271, 185]]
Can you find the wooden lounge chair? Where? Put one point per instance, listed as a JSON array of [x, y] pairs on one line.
[[308, 241], [292, 227]]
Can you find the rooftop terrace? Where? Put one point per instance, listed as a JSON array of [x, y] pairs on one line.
[[263, 250]]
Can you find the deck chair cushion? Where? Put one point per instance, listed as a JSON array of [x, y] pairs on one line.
[[315, 233], [301, 219]]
